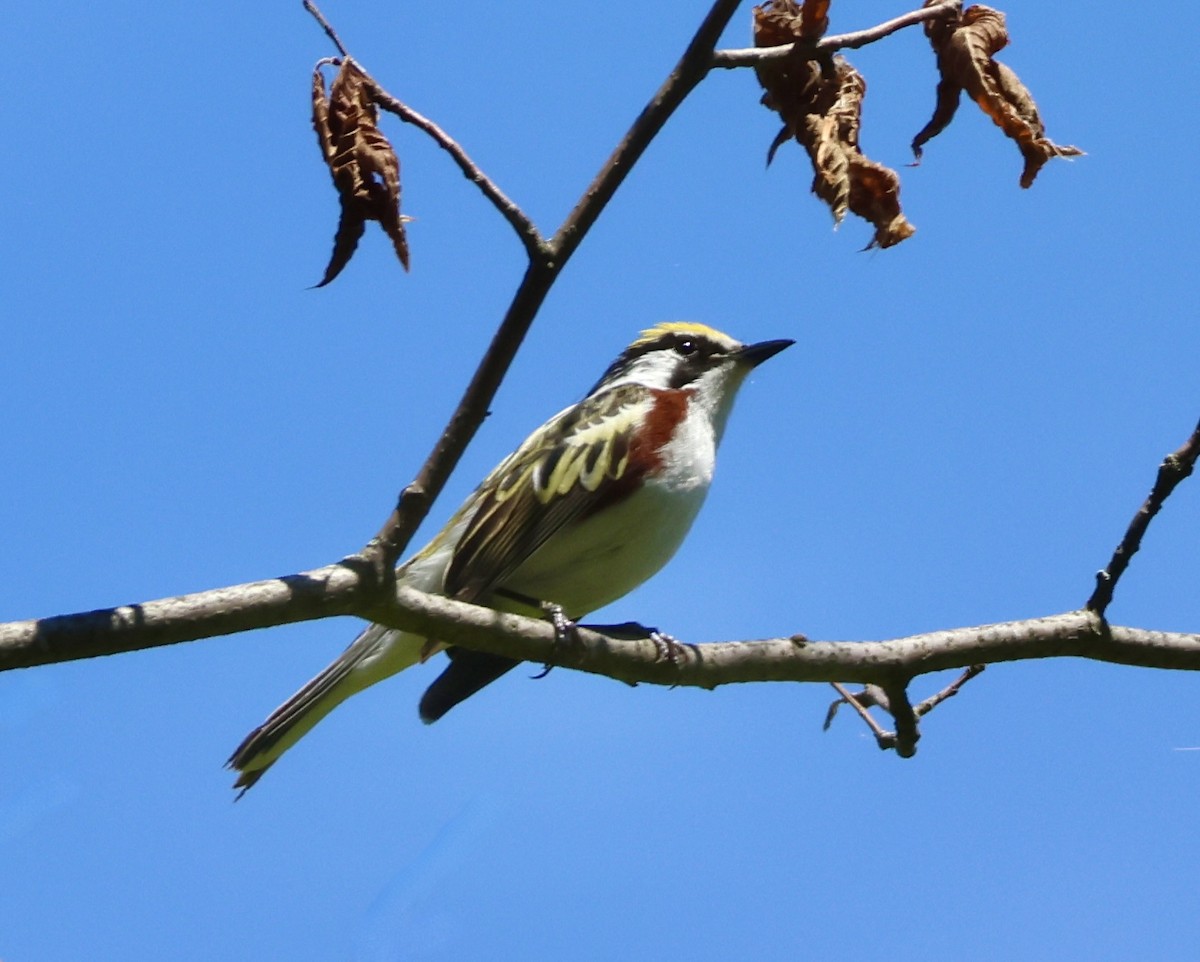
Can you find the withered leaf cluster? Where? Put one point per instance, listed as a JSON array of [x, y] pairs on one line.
[[820, 102], [965, 49], [365, 169]]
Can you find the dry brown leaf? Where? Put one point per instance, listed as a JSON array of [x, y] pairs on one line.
[[364, 167], [814, 19], [821, 107], [965, 50]]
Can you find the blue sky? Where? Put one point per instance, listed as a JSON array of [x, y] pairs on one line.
[[960, 435]]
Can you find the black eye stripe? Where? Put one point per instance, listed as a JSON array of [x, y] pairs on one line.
[[702, 348]]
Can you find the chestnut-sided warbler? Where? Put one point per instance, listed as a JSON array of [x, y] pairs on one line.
[[591, 505]]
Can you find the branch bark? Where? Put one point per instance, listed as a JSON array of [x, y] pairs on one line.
[[338, 590], [1175, 467], [816, 49]]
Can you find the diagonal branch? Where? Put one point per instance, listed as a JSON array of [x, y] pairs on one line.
[[930, 703], [1174, 468], [861, 701], [313, 9], [526, 230], [546, 262], [693, 67]]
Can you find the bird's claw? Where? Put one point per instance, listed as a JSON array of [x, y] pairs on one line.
[[668, 648], [566, 634]]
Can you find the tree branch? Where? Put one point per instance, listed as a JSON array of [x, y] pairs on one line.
[[693, 66], [930, 703], [861, 702], [815, 49], [894, 701], [526, 230], [329, 31], [547, 259], [1174, 468], [338, 590]]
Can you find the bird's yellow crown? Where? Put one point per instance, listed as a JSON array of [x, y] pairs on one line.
[[679, 327]]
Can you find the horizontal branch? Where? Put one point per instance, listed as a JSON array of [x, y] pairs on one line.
[[338, 589], [753, 56], [341, 589], [1078, 634]]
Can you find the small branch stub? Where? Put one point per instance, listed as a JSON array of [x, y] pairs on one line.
[[1175, 467], [893, 699]]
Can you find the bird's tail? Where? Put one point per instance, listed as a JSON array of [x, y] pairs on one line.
[[374, 655]]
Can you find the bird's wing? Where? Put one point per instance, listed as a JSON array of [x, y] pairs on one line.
[[577, 462]]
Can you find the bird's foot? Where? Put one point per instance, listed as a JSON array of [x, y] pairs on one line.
[[566, 634], [667, 647]]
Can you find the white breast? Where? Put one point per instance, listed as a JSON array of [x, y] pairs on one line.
[[604, 557]]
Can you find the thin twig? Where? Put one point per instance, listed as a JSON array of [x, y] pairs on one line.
[[892, 697], [329, 31], [884, 739], [870, 697], [1174, 468], [753, 56], [930, 703], [525, 228]]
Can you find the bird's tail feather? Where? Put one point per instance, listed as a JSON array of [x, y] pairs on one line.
[[467, 672], [376, 653]]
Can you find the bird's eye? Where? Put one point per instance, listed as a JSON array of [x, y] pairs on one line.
[[685, 347]]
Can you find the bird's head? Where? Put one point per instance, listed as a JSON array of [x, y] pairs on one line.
[[684, 354]]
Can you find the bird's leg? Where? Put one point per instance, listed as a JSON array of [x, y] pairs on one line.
[[667, 647], [565, 630], [566, 633]]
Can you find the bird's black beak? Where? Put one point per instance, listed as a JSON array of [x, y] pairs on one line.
[[755, 354]]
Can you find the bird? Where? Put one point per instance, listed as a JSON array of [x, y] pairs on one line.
[[593, 503]]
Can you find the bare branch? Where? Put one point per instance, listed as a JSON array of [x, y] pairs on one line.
[[860, 702], [814, 50], [340, 589], [329, 31], [525, 228], [901, 709], [1174, 468], [930, 703], [415, 500], [894, 699], [693, 66], [325, 592]]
